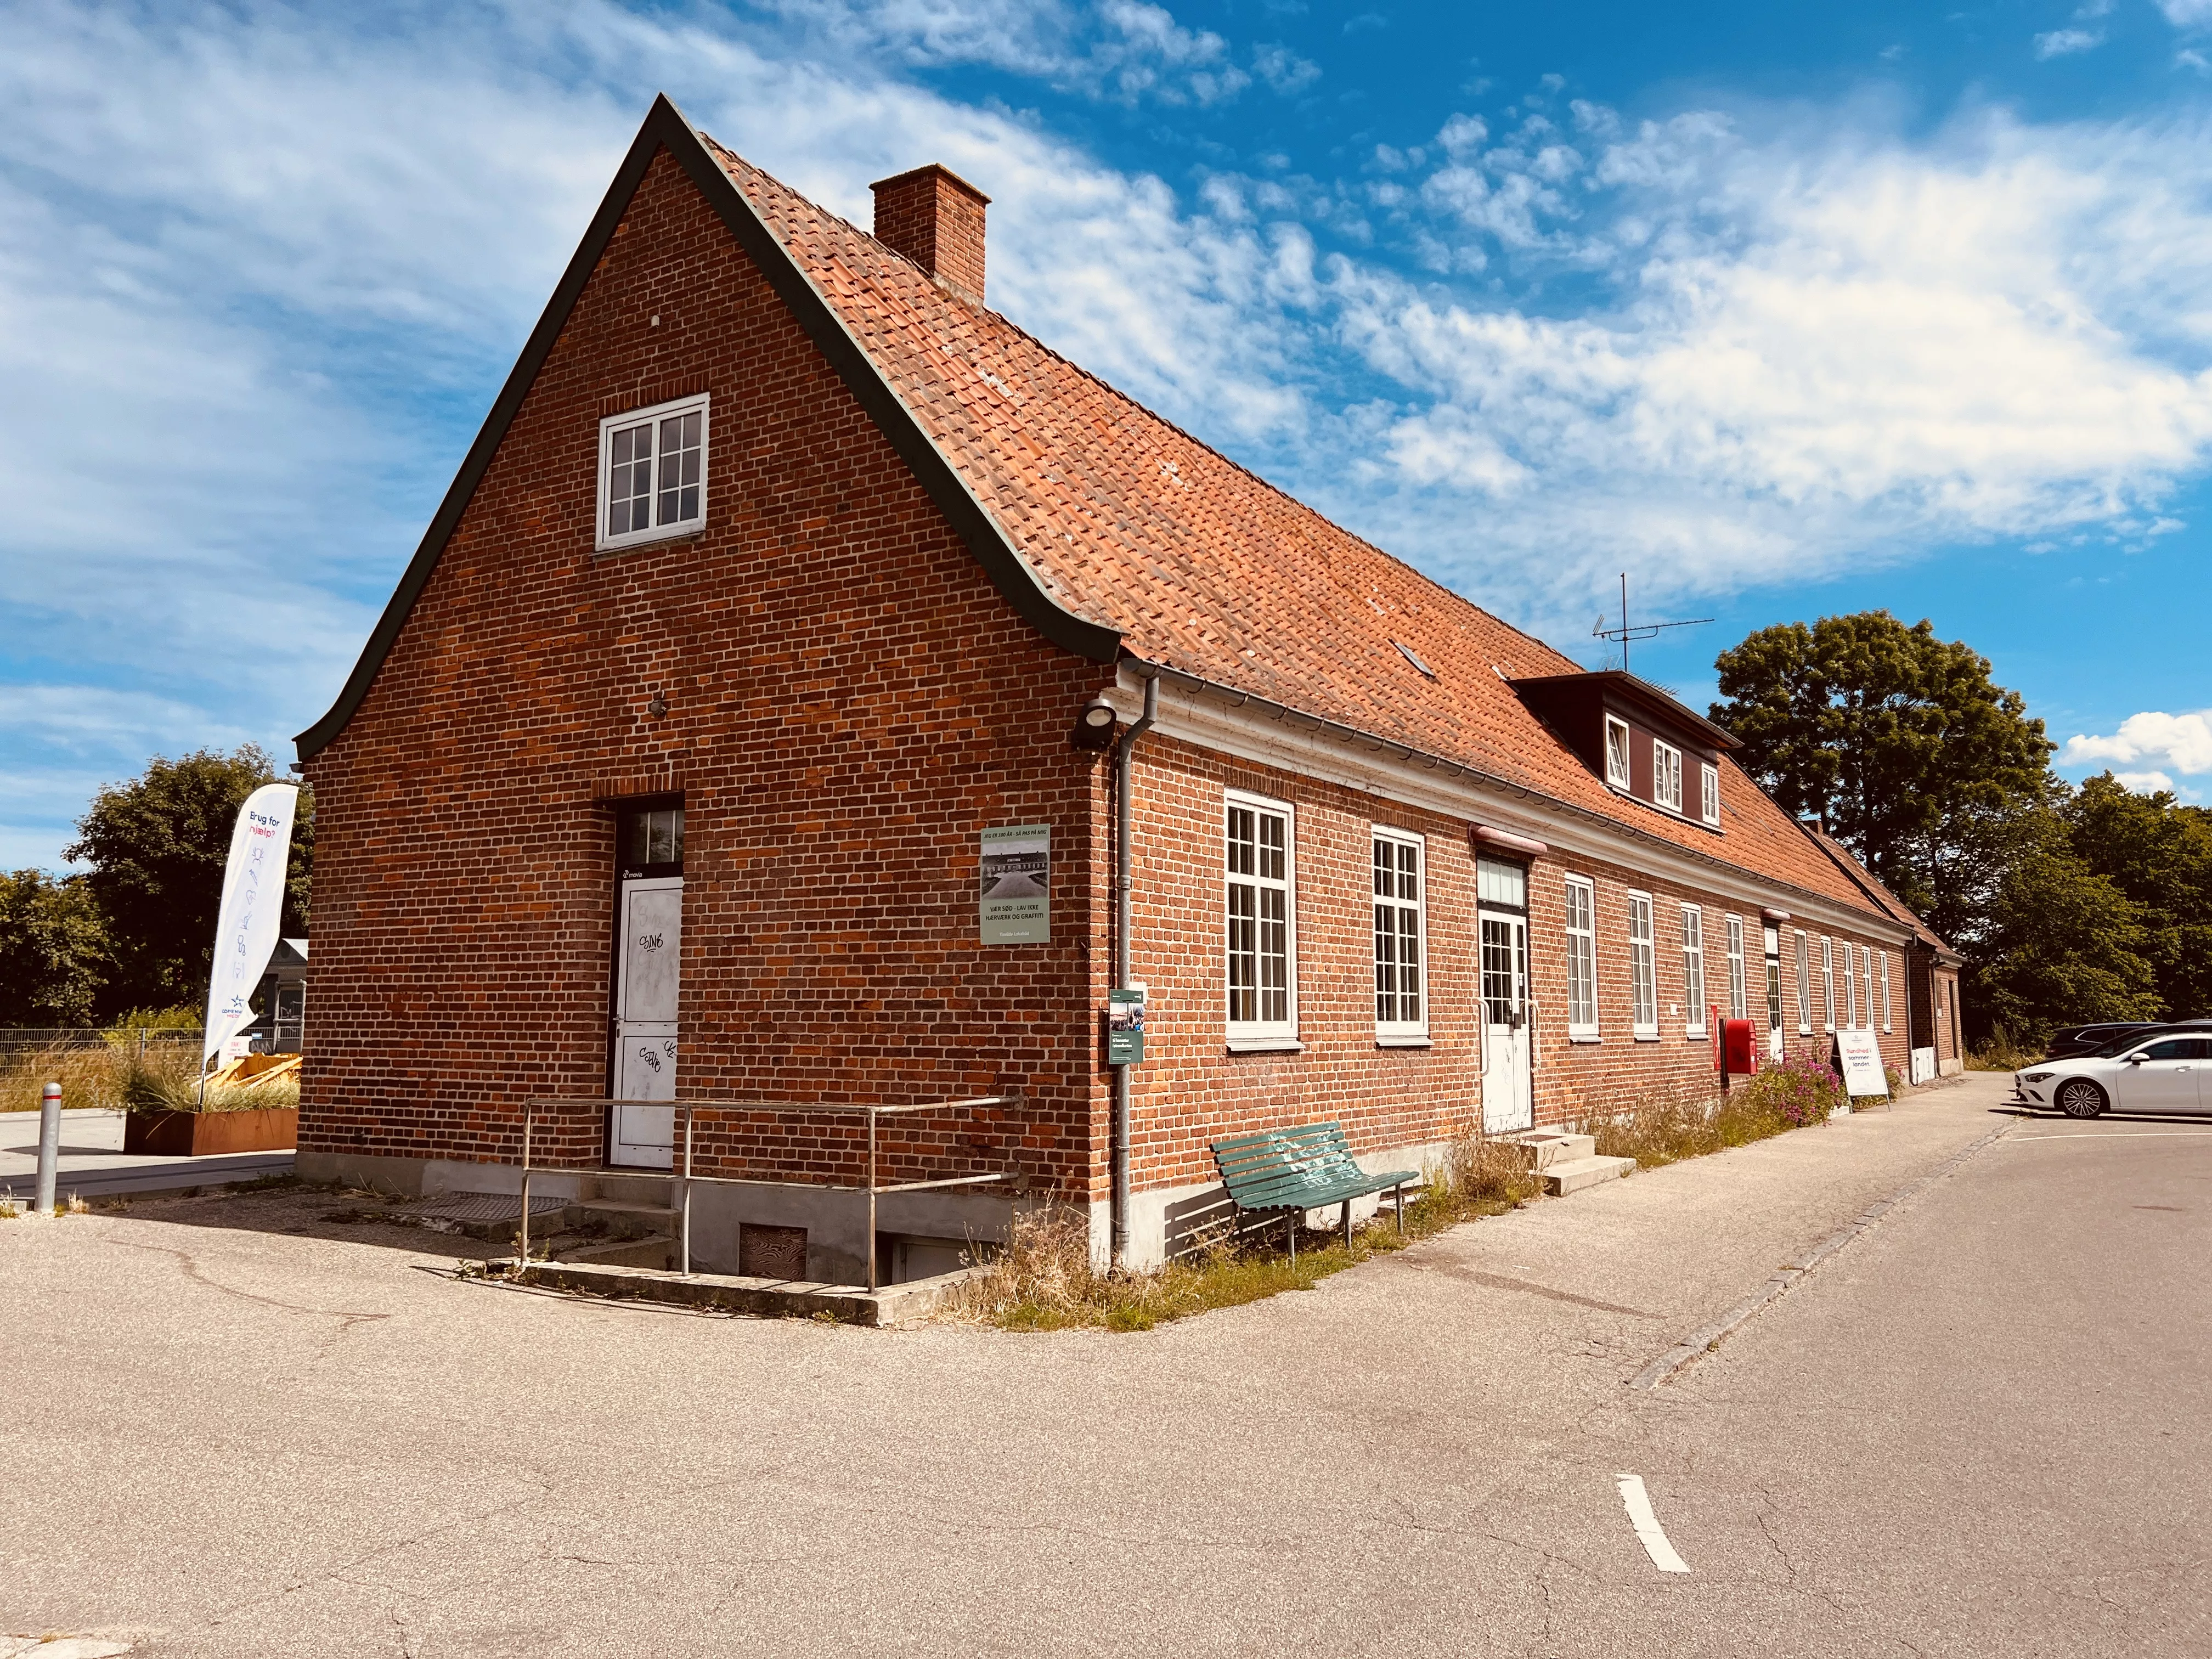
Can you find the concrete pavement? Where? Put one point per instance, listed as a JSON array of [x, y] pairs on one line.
[[94, 1164], [1969, 1431]]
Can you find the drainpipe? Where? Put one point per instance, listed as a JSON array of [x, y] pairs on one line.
[[1121, 885]]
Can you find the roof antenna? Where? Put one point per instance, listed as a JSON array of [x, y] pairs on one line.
[[1644, 631]]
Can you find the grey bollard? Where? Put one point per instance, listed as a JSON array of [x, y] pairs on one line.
[[50, 1144]]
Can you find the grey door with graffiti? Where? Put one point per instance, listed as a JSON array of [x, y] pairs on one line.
[[650, 912]]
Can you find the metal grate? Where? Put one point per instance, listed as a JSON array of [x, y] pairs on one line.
[[478, 1206]]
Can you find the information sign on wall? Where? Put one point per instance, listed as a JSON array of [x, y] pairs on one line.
[[1017, 884], [1125, 1026], [1862, 1063]]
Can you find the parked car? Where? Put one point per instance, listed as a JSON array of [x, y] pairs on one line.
[[2081, 1039], [2165, 1069]]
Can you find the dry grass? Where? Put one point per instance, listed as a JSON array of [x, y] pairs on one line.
[[1045, 1281], [1667, 1131], [113, 1075]]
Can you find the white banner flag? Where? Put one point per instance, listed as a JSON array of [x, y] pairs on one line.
[[252, 909]]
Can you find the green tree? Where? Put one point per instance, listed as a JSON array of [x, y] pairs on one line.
[[2062, 943], [156, 846], [53, 951], [2159, 853], [1917, 760]]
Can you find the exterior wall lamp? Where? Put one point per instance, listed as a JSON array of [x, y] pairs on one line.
[[1094, 726]]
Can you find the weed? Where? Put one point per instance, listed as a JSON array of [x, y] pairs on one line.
[[78, 1206], [2002, 1052], [7, 1210]]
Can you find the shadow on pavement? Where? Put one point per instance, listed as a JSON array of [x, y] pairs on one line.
[[289, 1208]]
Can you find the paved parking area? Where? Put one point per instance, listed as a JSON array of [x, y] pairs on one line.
[[93, 1164], [257, 1440]]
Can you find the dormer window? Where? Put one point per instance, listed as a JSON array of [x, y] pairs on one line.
[[1616, 752], [1710, 794], [1667, 776], [652, 473]]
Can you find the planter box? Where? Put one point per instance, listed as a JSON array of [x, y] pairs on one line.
[[197, 1134]]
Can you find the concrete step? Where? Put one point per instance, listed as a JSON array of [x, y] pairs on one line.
[[1573, 1175], [656, 1251], [623, 1186], [1545, 1147], [621, 1217]]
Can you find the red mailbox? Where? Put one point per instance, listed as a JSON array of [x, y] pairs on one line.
[[1740, 1044]]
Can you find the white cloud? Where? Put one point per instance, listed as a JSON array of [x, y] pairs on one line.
[[2186, 13], [2144, 783], [2180, 742], [2062, 43]]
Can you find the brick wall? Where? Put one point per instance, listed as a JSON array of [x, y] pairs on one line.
[[1191, 1089], [848, 702]]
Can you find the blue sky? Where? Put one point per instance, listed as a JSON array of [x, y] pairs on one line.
[[1783, 310]]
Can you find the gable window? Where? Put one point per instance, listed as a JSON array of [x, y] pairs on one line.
[[1709, 792], [1642, 968], [1582, 960], [1616, 752], [1736, 1008], [1804, 986], [1828, 982], [1885, 992], [652, 473], [1399, 1011], [1667, 776], [1693, 969], [1260, 938]]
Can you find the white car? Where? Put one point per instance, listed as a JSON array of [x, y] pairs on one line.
[[2152, 1071]]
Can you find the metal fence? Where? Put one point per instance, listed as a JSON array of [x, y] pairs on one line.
[[17, 1041]]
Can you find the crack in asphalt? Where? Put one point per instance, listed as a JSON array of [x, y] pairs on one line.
[[192, 1272]]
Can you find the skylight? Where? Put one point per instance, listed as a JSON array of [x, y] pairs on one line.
[[1414, 657]]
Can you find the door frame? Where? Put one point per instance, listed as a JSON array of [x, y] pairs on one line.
[[619, 810]]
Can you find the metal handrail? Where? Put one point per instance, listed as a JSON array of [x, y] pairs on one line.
[[784, 1108]]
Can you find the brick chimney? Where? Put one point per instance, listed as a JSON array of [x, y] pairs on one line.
[[935, 217]]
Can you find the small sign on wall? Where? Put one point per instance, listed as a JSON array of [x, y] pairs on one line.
[[1125, 1026], [1862, 1063], [1016, 876]]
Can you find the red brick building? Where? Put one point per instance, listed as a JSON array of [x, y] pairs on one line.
[[770, 617]]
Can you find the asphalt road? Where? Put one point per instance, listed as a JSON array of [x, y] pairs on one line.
[[1972, 1429]]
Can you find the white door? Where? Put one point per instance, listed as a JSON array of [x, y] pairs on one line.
[[651, 914], [1509, 1095]]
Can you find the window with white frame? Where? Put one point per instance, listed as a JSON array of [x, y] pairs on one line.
[[1866, 984], [1885, 993], [1804, 985], [1828, 982], [1616, 752], [652, 473], [1642, 966], [1694, 970], [1736, 1008], [1851, 987], [1582, 958], [1400, 1008], [1667, 776], [1258, 852], [1709, 792]]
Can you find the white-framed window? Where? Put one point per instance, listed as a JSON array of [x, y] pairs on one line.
[[1866, 986], [1885, 993], [1828, 982], [1642, 968], [1709, 792], [1616, 752], [1667, 776], [1582, 958], [1851, 987], [1804, 985], [1401, 1006], [1694, 970], [652, 473], [1258, 854], [1736, 1008]]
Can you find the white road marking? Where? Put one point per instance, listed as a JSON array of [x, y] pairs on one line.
[[2115, 1134], [1646, 1523]]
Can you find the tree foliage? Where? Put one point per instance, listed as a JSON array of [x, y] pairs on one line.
[[156, 846], [2159, 853], [1899, 740], [53, 951]]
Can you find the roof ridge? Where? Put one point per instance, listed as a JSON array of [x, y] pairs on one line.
[[1136, 404]]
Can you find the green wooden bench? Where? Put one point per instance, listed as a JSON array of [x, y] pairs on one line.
[[1289, 1172]]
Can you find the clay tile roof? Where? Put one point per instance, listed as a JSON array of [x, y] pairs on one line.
[[1130, 522]]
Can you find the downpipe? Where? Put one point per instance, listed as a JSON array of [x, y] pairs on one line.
[[1122, 882]]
